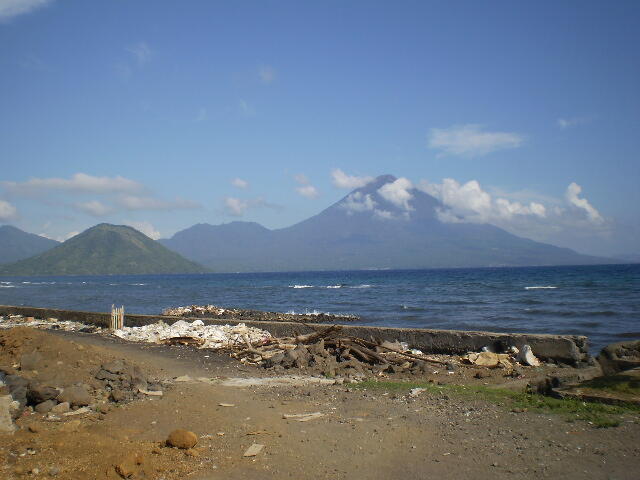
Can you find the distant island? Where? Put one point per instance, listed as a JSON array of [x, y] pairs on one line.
[[364, 230]]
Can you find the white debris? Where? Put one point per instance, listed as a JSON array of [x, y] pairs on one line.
[[52, 323], [213, 336], [527, 357]]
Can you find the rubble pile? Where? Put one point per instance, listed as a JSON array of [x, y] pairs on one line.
[[46, 324], [214, 311], [195, 333]]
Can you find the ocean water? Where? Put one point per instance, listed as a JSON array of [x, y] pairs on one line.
[[602, 302]]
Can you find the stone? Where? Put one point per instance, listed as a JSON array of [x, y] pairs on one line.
[[63, 407], [181, 438], [54, 471], [30, 361], [618, 357], [105, 375], [6, 418], [118, 395], [130, 466], [46, 406], [38, 393], [527, 357], [76, 395], [71, 426], [35, 428], [117, 366]]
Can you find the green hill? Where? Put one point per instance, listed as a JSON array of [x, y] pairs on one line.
[[105, 250]]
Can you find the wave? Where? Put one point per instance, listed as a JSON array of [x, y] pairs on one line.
[[7, 286], [544, 287], [364, 285], [137, 284], [300, 286], [334, 286], [6, 283]]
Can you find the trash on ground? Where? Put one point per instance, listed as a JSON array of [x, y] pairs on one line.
[[253, 450], [302, 417]]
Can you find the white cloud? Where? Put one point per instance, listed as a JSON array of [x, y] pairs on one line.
[[140, 52], [13, 8], [342, 180], [469, 203], [358, 202], [67, 236], [564, 123], [245, 109], [145, 227], [78, 183], [471, 141], [94, 208], [133, 202], [305, 189], [397, 193], [235, 206], [7, 211], [267, 74], [308, 191], [572, 196], [239, 183]]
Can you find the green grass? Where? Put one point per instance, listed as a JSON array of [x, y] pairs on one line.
[[598, 414], [620, 383]]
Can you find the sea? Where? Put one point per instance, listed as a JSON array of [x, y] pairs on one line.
[[601, 302]]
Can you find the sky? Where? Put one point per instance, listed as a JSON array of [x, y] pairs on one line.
[[162, 114]]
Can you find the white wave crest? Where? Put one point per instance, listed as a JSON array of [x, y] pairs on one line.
[[364, 285], [300, 286], [543, 287], [7, 286], [334, 286]]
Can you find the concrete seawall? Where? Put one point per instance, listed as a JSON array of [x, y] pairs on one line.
[[570, 349]]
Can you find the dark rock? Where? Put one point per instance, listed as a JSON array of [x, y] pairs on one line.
[[45, 406], [105, 375], [275, 360], [117, 366], [30, 361], [118, 395], [77, 396], [618, 357], [38, 393], [451, 367]]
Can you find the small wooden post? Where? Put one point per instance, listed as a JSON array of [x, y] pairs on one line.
[[117, 318]]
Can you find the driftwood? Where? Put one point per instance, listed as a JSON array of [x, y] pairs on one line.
[[322, 343]]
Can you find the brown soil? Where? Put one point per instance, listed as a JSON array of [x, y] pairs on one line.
[[362, 434]]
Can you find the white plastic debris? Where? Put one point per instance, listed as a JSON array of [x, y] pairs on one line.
[[213, 336], [527, 357]]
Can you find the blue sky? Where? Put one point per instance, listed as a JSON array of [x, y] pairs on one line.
[[164, 114]]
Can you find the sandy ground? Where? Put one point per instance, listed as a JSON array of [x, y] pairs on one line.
[[373, 434]]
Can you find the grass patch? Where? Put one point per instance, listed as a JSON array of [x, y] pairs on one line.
[[620, 383], [599, 414]]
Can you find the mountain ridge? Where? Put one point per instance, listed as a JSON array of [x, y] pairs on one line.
[[16, 244], [365, 229], [105, 249]]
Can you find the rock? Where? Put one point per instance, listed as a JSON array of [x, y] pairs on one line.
[[482, 374], [46, 406], [118, 395], [6, 418], [483, 359], [527, 357], [63, 407], [35, 428], [53, 471], [130, 467], [105, 375], [182, 439], [618, 357], [30, 361], [38, 393], [76, 395], [117, 366]]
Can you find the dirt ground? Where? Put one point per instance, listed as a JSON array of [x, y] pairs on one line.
[[363, 432]]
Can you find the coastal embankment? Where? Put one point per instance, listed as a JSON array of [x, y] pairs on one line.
[[570, 349]]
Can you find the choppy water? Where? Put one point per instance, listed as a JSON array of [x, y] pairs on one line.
[[602, 302]]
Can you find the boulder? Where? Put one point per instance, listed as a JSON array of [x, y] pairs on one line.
[[618, 357], [77, 396], [45, 407], [182, 439], [38, 393], [6, 417], [63, 407]]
